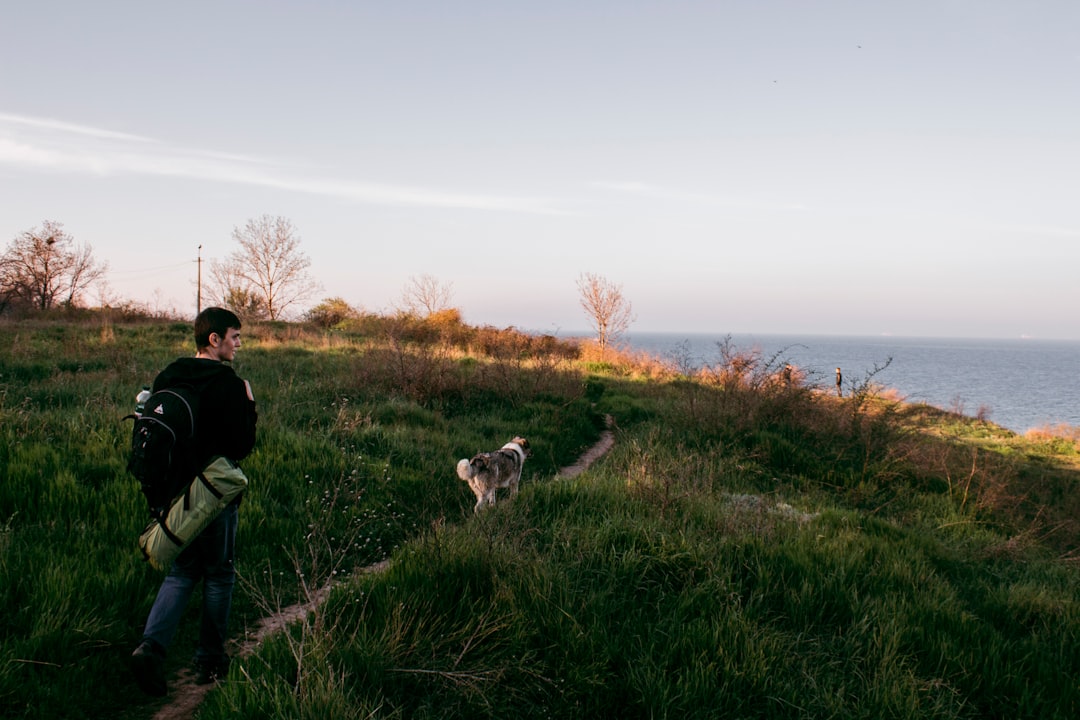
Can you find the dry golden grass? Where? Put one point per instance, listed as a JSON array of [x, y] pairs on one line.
[[1060, 431], [638, 364]]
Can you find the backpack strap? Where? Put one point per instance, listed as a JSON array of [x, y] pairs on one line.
[[168, 533], [210, 486], [162, 514], [207, 484]]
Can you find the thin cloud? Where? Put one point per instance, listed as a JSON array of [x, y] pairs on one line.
[[21, 154], [56, 146], [69, 128], [658, 192]]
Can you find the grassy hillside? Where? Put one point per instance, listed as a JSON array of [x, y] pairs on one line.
[[749, 548]]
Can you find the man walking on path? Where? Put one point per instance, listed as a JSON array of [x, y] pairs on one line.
[[225, 426], [839, 381]]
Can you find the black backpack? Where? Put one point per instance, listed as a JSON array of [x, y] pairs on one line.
[[162, 442]]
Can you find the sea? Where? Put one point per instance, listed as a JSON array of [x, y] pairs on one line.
[[1019, 384]]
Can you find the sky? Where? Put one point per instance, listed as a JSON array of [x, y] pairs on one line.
[[746, 166]]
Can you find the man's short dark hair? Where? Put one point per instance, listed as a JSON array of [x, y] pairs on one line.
[[213, 320]]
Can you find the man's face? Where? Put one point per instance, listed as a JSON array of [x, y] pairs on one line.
[[225, 347]]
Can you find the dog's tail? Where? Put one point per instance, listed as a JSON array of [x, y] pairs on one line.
[[465, 470]]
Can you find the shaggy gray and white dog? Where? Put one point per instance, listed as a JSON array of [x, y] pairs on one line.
[[486, 472]]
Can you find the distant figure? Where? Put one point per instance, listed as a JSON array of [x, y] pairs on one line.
[[787, 375], [839, 383]]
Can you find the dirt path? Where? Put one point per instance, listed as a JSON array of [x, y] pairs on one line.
[[185, 695], [597, 451]]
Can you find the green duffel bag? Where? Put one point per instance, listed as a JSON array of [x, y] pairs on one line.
[[208, 494]]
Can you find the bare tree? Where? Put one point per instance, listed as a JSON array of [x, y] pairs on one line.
[[44, 268], [425, 295], [270, 265], [609, 311], [9, 289], [232, 290]]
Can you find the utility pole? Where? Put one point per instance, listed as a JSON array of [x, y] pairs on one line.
[[198, 293]]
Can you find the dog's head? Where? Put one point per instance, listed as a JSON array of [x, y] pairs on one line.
[[523, 444]]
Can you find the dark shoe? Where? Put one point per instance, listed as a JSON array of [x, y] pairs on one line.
[[211, 671], [148, 667]]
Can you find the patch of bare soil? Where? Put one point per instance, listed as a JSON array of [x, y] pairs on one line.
[[597, 451], [186, 695]]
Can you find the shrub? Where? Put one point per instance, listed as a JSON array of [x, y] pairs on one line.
[[331, 312]]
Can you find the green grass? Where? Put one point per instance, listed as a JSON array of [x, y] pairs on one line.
[[584, 600], [356, 452], [746, 550]]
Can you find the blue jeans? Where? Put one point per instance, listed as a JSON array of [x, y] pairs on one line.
[[210, 557]]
